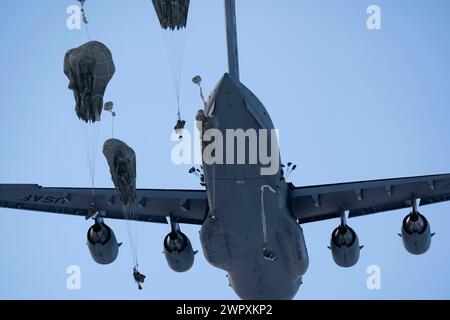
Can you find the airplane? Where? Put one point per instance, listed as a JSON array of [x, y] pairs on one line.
[[250, 223]]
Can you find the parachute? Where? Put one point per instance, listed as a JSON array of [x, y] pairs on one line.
[[122, 166], [89, 68], [172, 14]]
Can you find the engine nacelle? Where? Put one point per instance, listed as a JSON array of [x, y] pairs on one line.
[[344, 245], [102, 243], [178, 251], [416, 233]]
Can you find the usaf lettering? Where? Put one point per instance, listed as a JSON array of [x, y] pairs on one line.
[[48, 199]]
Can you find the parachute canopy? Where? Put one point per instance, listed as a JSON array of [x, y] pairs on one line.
[[89, 69], [172, 14], [122, 165]]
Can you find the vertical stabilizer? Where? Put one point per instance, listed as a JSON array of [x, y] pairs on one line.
[[230, 19]]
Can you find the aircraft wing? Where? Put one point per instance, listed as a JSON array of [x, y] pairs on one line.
[[153, 205], [315, 203]]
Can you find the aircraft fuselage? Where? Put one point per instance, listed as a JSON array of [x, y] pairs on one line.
[[250, 231]]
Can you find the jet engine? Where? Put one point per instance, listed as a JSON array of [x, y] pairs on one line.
[[344, 246], [178, 251], [102, 243], [415, 233]]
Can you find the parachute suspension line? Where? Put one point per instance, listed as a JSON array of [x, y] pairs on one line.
[[135, 228], [172, 16], [201, 95], [122, 163], [129, 215], [112, 127], [109, 108], [87, 32], [130, 236], [214, 187], [198, 81], [91, 133], [175, 44], [94, 148], [267, 254], [132, 229], [85, 20]]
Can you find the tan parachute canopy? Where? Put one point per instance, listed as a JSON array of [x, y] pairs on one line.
[[89, 68]]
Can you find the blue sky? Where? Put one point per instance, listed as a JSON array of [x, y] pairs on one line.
[[350, 104]]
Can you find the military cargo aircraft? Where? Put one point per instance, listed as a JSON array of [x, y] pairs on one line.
[[250, 222]]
